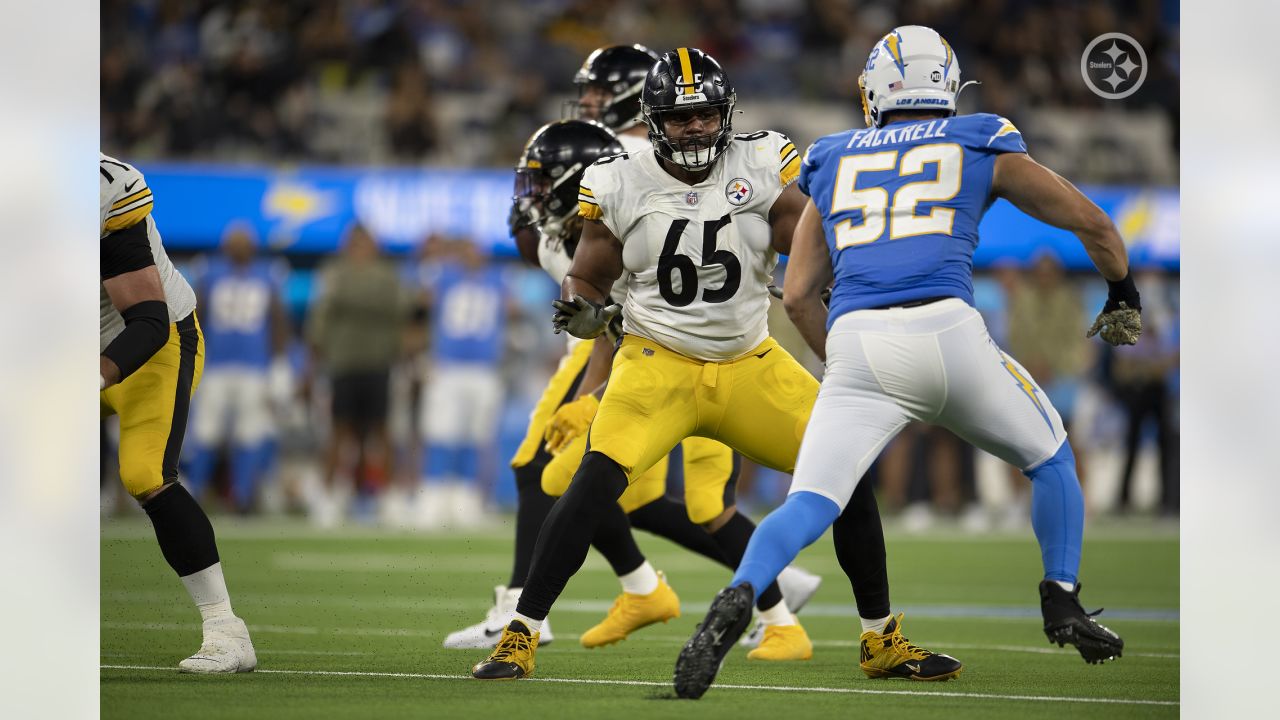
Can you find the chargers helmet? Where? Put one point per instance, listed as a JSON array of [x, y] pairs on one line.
[[911, 68], [621, 70], [688, 79], [550, 169]]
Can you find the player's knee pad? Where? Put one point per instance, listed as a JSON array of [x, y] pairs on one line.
[[140, 476]]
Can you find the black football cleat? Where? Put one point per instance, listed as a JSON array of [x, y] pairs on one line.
[[700, 658], [1065, 621]]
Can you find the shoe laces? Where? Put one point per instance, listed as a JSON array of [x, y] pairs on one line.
[[904, 646], [512, 643]]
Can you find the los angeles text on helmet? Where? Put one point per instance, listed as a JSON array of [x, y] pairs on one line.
[[899, 134]]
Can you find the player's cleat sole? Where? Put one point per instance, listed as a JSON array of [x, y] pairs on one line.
[[703, 654], [889, 654], [1067, 623], [631, 612], [513, 658], [226, 649]]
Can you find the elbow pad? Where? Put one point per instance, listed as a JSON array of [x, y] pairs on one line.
[[146, 330]]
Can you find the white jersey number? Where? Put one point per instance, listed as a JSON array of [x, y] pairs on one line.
[[874, 201], [671, 263]]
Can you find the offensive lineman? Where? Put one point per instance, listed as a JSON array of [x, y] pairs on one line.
[[609, 85], [893, 219], [151, 357], [696, 359]]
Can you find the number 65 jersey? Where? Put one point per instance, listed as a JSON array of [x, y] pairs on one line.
[[699, 257]]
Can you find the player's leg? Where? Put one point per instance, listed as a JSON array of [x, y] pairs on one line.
[[445, 410], [251, 437], [468, 499], [646, 410], [152, 404], [532, 505], [996, 405]]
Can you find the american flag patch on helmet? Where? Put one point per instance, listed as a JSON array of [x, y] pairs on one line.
[[895, 86]]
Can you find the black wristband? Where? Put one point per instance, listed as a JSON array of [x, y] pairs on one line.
[[1123, 290], [146, 330]]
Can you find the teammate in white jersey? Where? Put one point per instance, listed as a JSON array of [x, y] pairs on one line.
[[151, 356], [546, 227], [695, 226]]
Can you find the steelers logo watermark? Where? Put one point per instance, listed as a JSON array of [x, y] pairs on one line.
[[1113, 66]]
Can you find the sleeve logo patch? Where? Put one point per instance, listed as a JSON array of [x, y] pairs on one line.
[[738, 191]]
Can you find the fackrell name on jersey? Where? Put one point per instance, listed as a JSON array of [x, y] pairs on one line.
[[901, 134]]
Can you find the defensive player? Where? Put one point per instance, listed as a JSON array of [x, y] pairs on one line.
[[545, 224], [695, 225], [151, 357], [893, 219], [246, 371]]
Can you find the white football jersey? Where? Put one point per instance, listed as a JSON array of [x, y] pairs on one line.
[[124, 200], [698, 258], [635, 143]]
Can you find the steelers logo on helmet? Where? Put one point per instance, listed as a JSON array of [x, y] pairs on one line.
[[688, 90], [738, 191], [911, 68], [551, 168]]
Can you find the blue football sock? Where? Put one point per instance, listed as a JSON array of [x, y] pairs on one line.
[[438, 463], [200, 469], [1057, 515], [247, 465], [782, 535], [467, 464]]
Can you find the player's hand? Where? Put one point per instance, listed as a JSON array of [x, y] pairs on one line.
[[520, 217], [582, 318], [1120, 322], [569, 421]]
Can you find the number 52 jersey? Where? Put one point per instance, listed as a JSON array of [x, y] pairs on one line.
[[699, 257]]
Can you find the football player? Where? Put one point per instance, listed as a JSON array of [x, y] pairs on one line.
[[545, 223], [151, 357], [893, 220], [694, 224]]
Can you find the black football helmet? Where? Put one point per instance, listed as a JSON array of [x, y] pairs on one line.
[[620, 70], [551, 168], [688, 79]]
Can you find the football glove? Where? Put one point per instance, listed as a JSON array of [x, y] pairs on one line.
[[582, 318], [569, 421], [521, 216], [1120, 322]]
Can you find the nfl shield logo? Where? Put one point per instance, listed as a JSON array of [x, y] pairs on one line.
[[691, 198]]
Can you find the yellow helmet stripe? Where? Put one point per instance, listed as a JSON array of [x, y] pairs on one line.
[[686, 70]]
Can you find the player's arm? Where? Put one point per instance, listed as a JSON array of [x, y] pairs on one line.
[[131, 280], [783, 217], [1050, 198], [597, 263], [808, 275]]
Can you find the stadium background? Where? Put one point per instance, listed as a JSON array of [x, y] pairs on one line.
[[302, 119]]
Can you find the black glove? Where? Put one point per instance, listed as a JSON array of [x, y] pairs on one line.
[[1120, 322], [582, 318]]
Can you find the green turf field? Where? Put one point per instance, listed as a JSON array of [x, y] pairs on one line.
[[349, 624]]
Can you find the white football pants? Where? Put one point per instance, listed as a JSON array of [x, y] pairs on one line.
[[232, 399], [461, 404], [935, 364]]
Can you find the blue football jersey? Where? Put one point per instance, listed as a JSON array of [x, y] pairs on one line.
[[901, 205], [237, 319], [469, 316]]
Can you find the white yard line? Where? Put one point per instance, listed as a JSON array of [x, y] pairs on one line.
[[654, 683]]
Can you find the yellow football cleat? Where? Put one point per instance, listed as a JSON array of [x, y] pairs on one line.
[[783, 642], [889, 654], [631, 612], [512, 659]]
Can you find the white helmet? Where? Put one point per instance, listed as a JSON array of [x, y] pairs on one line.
[[911, 68]]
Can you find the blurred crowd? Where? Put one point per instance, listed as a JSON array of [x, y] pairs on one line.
[[465, 82], [400, 386]]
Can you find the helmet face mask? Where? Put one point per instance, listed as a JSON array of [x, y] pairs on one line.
[[550, 169], [684, 84], [609, 84]]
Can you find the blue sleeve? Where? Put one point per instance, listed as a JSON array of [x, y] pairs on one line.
[[998, 135], [808, 166]]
